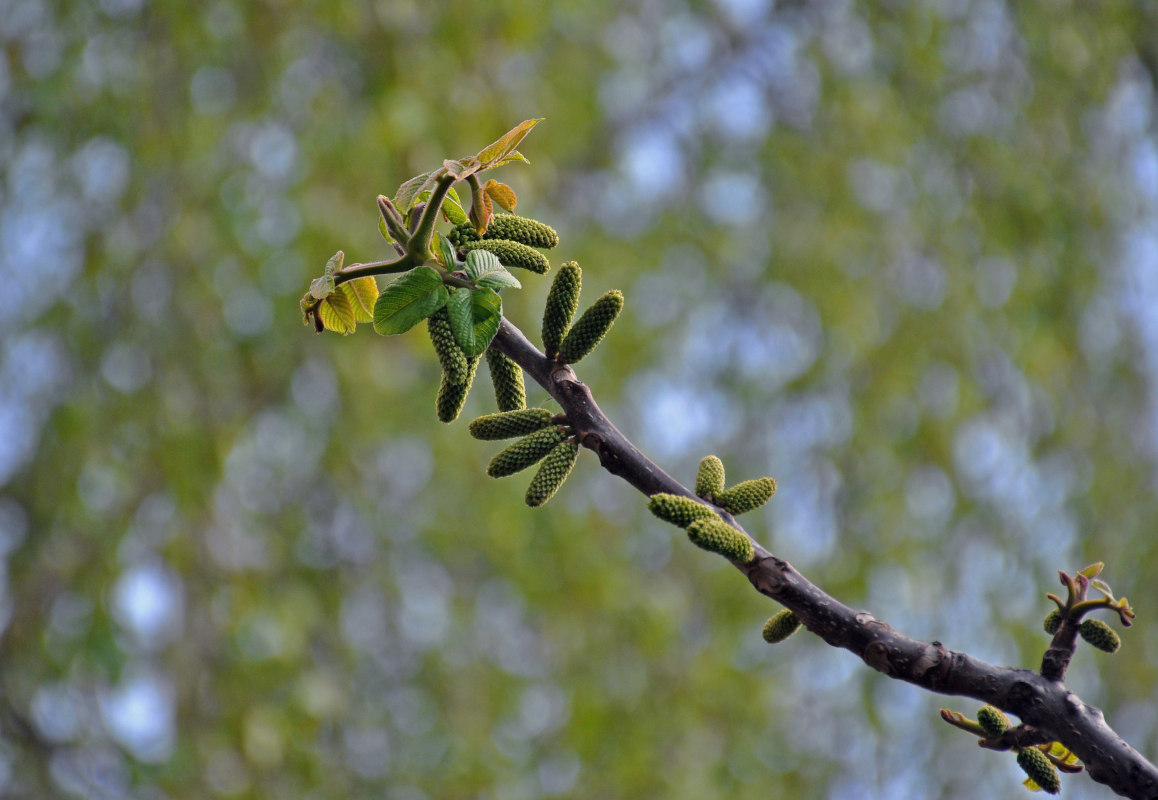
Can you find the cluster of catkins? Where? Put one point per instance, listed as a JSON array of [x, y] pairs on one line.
[[543, 436], [705, 527], [511, 239]]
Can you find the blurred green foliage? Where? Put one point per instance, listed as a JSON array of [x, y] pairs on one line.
[[901, 256]]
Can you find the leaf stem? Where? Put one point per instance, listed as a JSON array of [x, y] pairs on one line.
[[400, 264], [419, 245]]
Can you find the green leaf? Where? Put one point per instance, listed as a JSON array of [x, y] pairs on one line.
[[323, 287], [500, 279], [453, 209], [474, 318], [506, 144], [1093, 570], [484, 269], [446, 250], [408, 192], [409, 300], [382, 230], [334, 263]]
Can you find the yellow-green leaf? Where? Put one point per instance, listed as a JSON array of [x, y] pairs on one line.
[[506, 144], [337, 313], [362, 293]]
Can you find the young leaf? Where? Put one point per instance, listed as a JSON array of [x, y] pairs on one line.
[[452, 208], [382, 230], [334, 263], [409, 300], [506, 144], [1093, 570], [337, 313], [408, 192], [362, 294], [446, 251], [483, 267], [502, 194], [323, 287], [474, 318]]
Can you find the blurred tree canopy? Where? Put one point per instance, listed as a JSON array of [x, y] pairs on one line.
[[902, 256]]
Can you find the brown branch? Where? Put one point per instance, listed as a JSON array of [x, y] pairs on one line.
[[1046, 706]]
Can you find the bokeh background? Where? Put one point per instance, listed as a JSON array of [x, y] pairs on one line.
[[902, 256]]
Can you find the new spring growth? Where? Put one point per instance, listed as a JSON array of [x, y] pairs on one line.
[[710, 477], [512, 254], [679, 510], [717, 536], [507, 377], [590, 328], [746, 495], [1100, 635], [525, 452], [992, 721], [452, 396], [780, 626], [510, 424], [562, 303], [1039, 769], [552, 472], [1052, 622], [450, 356], [511, 227]]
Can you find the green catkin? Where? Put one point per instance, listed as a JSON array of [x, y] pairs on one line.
[[512, 254], [590, 328], [717, 536], [552, 472], [452, 396], [455, 368], [510, 424], [679, 510], [992, 721], [710, 478], [525, 452], [523, 230], [512, 227], [507, 377], [780, 626], [562, 302], [1039, 768], [746, 495], [1052, 621], [1100, 635]]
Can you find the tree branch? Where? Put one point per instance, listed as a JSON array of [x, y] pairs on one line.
[[1046, 706]]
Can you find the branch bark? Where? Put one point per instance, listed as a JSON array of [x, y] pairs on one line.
[[1047, 709]]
